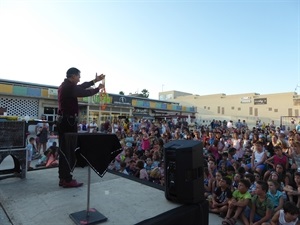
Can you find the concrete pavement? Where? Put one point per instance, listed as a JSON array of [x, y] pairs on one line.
[[39, 200]]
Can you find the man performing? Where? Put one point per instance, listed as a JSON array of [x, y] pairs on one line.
[[67, 119]]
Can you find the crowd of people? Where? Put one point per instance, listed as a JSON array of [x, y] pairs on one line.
[[251, 174], [42, 146]]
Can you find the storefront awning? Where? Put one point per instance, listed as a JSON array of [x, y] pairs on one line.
[[143, 115]]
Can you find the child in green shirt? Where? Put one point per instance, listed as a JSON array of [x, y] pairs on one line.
[[240, 199]]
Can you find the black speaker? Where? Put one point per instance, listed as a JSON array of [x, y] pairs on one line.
[[184, 162]]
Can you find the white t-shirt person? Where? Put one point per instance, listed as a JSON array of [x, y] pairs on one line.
[[93, 126]]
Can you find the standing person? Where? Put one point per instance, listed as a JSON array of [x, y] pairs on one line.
[[30, 149], [68, 92], [82, 126], [42, 130], [93, 126]]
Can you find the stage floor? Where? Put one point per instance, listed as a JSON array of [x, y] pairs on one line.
[[39, 200]]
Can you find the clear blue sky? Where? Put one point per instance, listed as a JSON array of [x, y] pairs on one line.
[[199, 47]]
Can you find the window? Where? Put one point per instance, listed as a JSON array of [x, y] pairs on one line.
[[296, 102], [290, 112]]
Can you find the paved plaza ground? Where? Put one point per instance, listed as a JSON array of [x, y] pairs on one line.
[[39, 200]]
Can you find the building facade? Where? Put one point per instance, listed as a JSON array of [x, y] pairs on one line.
[[33, 100], [247, 106]]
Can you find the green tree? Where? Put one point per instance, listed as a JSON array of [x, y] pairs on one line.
[[145, 93], [121, 93]]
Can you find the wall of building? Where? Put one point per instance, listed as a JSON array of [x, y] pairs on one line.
[[248, 106]]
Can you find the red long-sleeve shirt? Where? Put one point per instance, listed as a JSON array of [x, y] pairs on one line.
[[68, 93]]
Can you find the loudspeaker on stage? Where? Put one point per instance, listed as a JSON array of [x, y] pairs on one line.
[[184, 161]]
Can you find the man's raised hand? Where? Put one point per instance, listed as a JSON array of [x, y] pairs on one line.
[[99, 77]]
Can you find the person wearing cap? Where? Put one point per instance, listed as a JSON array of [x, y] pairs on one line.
[[67, 119]]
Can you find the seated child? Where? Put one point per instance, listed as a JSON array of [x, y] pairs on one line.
[[148, 165], [240, 199], [155, 175], [293, 193], [258, 158], [278, 159], [219, 202], [251, 178], [215, 181], [222, 167], [286, 216], [230, 172], [241, 171], [231, 153], [207, 183], [50, 157], [224, 160], [275, 195], [261, 206], [123, 168], [141, 171], [236, 180]]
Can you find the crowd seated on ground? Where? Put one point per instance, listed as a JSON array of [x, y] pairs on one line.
[[263, 167], [250, 174]]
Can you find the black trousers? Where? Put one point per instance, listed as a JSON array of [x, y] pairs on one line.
[[66, 154]]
